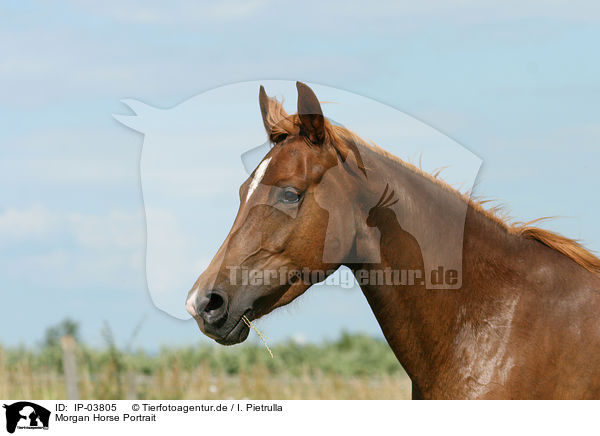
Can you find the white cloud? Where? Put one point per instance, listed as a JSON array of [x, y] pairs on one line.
[[75, 250], [71, 156], [318, 14], [30, 223], [176, 12], [72, 249], [116, 230]]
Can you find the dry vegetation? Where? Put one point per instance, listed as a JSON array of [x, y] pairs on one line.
[[353, 367]]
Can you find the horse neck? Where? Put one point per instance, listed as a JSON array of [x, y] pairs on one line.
[[424, 326]]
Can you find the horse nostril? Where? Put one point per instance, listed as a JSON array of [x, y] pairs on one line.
[[212, 307], [214, 303]]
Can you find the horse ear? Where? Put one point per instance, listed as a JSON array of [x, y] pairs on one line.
[[310, 114], [271, 110], [263, 101]]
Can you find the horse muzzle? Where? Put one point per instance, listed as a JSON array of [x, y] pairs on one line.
[[216, 319]]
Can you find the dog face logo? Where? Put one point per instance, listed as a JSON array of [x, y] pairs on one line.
[[26, 415]]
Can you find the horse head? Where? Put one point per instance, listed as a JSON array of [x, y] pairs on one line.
[[295, 217]]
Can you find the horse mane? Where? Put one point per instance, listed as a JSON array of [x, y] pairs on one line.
[[567, 246], [345, 141]]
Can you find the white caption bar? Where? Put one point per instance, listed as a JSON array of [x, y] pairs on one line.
[[293, 417]]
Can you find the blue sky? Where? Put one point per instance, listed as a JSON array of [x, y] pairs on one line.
[[517, 83]]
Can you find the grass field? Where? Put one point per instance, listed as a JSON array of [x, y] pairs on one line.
[[353, 367]]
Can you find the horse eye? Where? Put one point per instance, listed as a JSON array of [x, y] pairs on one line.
[[290, 196]]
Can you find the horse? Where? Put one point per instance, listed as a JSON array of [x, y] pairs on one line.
[[523, 323]]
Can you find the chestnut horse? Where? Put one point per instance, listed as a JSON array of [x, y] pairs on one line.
[[525, 322]]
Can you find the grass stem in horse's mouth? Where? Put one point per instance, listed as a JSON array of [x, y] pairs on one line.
[[258, 332]]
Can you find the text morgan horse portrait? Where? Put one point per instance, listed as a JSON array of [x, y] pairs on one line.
[[524, 323]]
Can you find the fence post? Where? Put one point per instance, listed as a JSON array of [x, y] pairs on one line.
[[69, 361], [131, 385]]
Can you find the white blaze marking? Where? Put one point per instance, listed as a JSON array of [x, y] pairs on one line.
[[258, 175], [190, 304]]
